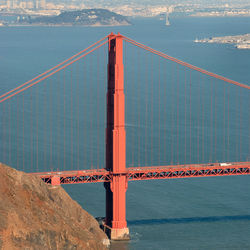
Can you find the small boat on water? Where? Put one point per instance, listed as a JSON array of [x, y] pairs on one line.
[[167, 19]]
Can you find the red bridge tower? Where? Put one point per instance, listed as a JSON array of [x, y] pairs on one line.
[[116, 143]]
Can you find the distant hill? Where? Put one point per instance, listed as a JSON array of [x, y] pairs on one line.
[[86, 17]]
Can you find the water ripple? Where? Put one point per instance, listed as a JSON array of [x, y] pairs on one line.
[[188, 220]]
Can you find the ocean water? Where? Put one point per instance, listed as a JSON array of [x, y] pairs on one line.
[[202, 213]]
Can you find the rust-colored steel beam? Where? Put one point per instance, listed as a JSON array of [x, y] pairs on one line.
[[75, 177], [149, 173], [188, 171]]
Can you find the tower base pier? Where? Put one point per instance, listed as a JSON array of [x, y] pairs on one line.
[[116, 233]]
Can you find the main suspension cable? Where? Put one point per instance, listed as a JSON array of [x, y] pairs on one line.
[[45, 77], [184, 63]]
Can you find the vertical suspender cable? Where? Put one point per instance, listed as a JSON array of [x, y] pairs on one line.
[[190, 118], [237, 110], [23, 129], [151, 118], [211, 122], [59, 104], [71, 118], [85, 132], [37, 141], [50, 126], [203, 121], [104, 103], [185, 118], [228, 122], [138, 106], [177, 115], [91, 111], [55, 123], [4, 133], [9, 131], [198, 119], [146, 109], [165, 82], [159, 112], [17, 133], [31, 130], [64, 122], [215, 122], [224, 122], [248, 129], [241, 127], [98, 108], [45, 118], [172, 115], [133, 113], [78, 114]]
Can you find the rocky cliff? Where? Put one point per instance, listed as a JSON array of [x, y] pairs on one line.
[[34, 215]]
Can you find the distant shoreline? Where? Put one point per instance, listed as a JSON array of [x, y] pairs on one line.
[[85, 17], [240, 41], [64, 25]]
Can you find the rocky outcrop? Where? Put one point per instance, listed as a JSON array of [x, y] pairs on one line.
[[35, 215]]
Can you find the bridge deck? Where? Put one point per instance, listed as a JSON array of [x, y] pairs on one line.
[[148, 173]]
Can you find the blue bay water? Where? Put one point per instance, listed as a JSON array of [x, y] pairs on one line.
[[202, 213]]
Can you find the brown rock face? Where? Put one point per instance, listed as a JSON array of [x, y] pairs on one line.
[[34, 215]]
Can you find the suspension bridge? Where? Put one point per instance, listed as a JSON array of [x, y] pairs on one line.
[[68, 125]]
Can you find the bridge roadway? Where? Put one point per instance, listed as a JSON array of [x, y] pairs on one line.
[[146, 173]]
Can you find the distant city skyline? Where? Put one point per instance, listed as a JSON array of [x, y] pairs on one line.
[[145, 8], [36, 4]]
